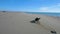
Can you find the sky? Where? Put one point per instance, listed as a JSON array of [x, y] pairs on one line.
[[30, 5]]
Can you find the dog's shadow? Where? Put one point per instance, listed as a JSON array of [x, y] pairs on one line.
[[33, 21]]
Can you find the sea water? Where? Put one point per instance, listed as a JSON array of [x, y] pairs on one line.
[[45, 13]]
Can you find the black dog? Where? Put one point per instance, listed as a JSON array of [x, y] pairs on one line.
[[37, 19], [34, 21]]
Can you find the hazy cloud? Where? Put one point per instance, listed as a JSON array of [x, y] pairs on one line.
[[54, 8]]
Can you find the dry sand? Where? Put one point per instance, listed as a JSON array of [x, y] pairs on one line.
[[19, 23]]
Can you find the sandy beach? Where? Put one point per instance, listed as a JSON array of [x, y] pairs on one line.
[[19, 23]]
